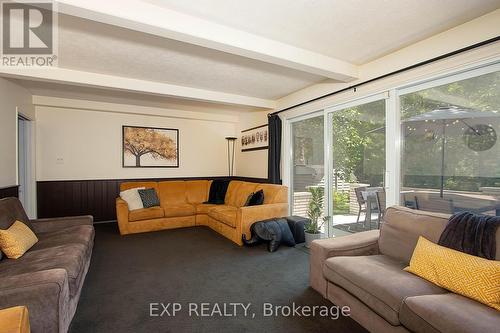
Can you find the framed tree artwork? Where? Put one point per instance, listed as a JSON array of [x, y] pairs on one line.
[[150, 147], [255, 138]]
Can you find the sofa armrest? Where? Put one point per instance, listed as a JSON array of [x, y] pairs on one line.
[[44, 293], [251, 214], [358, 244], [122, 215], [57, 223]]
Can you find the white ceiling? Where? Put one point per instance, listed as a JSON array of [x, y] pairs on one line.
[[245, 54], [357, 31], [61, 90], [102, 48]]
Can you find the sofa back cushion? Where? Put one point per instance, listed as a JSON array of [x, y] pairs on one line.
[[238, 192], [273, 193], [128, 185], [11, 210], [197, 190], [172, 192], [244, 190], [403, 226], [232, 192]]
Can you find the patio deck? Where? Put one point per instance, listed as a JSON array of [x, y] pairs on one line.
[[344, 224]]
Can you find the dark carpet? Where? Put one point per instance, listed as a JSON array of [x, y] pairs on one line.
[[194, 265]]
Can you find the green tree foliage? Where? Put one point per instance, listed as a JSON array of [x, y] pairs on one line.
[[359, 143]]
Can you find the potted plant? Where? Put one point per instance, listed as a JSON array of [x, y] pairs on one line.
[[314, 212]]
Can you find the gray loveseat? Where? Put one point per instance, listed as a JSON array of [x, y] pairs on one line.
[[365, 271], [49, 277]]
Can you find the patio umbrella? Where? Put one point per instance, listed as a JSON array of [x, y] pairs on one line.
[[448, 115]]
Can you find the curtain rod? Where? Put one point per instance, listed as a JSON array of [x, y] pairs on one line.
[[422, 63]]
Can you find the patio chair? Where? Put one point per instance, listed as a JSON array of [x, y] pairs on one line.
[[438, 205], [410, 200], [381, 205], [361, 201]]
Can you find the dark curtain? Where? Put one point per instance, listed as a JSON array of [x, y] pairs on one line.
[[274, 152]]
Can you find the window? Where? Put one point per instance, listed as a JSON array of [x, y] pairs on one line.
[[432, 146], [308, 168], [450, 159]]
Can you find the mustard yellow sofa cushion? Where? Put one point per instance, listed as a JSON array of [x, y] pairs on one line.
[[225, 214], [145, 214], [16, 240], [273, 193], [172, 192], [244, 190], [204, 208], [461, 273], [15, 319], [231, 198], [178, 210], [197, 191]]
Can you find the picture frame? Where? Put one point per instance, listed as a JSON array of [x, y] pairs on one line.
[[150, 147], [255, 138]]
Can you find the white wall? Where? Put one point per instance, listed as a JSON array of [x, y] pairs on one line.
[[82, 143], [251, 163], [12, 97]]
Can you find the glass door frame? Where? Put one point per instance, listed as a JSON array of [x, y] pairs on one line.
[[389, 133], [287, 156]]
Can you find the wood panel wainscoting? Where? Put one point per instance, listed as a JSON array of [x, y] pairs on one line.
[[92, 197], [9, 191]]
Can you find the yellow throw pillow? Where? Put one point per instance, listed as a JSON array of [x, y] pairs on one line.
[[459, 272], [16, 240]]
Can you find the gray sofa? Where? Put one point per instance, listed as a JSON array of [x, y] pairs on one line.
[[49, 277], [365, 272]]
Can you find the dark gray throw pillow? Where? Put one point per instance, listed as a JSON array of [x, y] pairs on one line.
[[256, 199], [149, 198]]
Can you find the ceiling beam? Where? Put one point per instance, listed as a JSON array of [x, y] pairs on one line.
[[156, 20], [83, 104], [82, 78]]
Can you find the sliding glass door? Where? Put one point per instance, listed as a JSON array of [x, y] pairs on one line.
[[450, 157], [357, 165], [343, 162], [432, 146], [308, 170]]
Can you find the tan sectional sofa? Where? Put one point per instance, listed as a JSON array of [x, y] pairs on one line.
[[181, 205], [365, 272]]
